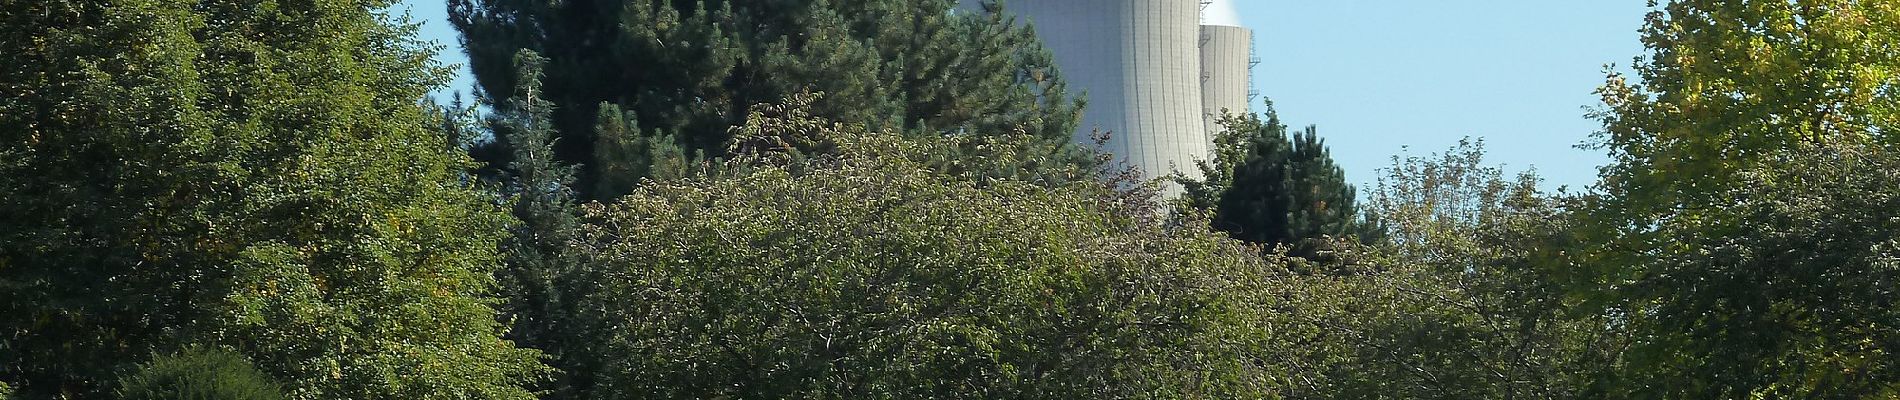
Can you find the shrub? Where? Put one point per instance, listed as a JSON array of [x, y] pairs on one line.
[[200, 374], [865, 273]]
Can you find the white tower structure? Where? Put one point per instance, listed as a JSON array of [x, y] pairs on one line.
[[1149, 81], [1226, 59]]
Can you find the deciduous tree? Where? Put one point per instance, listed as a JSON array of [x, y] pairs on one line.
[[866, 272], [251, 175], [1739, 230]]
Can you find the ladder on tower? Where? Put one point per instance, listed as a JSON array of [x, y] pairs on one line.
[[1253, 60]]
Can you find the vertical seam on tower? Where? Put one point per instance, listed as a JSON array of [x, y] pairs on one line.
[[1131, 46]]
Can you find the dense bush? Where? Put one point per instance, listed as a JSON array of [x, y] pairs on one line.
[[1786, 291], [200, 374], [1458, 301], [864, 273]]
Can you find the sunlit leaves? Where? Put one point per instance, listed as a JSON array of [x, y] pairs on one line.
[[1733, 231], [257, 177], [865, 272]]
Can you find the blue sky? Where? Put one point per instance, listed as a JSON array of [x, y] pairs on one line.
[[1380, 77]]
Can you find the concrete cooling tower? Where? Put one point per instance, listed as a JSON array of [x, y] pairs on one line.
[[1226, 59], [1141, 64]]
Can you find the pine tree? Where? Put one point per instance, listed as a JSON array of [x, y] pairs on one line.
[[542, 277], [623, 155], [1263, 187], [255, 176], [1257, 205], [1322, 201], [537, 263], [681, 73]]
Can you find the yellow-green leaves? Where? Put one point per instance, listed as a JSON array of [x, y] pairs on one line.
[[1731, 83], [1729, 225]]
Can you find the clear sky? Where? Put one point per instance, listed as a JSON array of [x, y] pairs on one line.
[[1381, 76]]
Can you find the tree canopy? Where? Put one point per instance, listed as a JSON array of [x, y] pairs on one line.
[[1265, 185], [256, 176], [866, 272], [635, 75], [1736, 229], [881, 199]]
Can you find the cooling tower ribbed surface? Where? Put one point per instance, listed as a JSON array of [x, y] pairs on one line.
[[1139, 63], [1226, 61]]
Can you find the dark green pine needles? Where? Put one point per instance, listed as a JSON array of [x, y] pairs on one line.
[[649, 80]]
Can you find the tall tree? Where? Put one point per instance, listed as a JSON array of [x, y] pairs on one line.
[[1323, 203], [1263, 186], [539, 274], [1739, 229], [254, 176], [1729, 85], [620, 70], [1258, 204]]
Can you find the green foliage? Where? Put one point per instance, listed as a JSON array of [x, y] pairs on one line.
[[255, 176], [538, 266], [863, 271], [199, 374], [1460, 300], [1242, 135], [1323, 203], [1730, 84], [258, 177], [1263, 187], [1259, 204], [623, 156], [1744, 231], [672, 77], [1786, 292], [1431, 203]]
